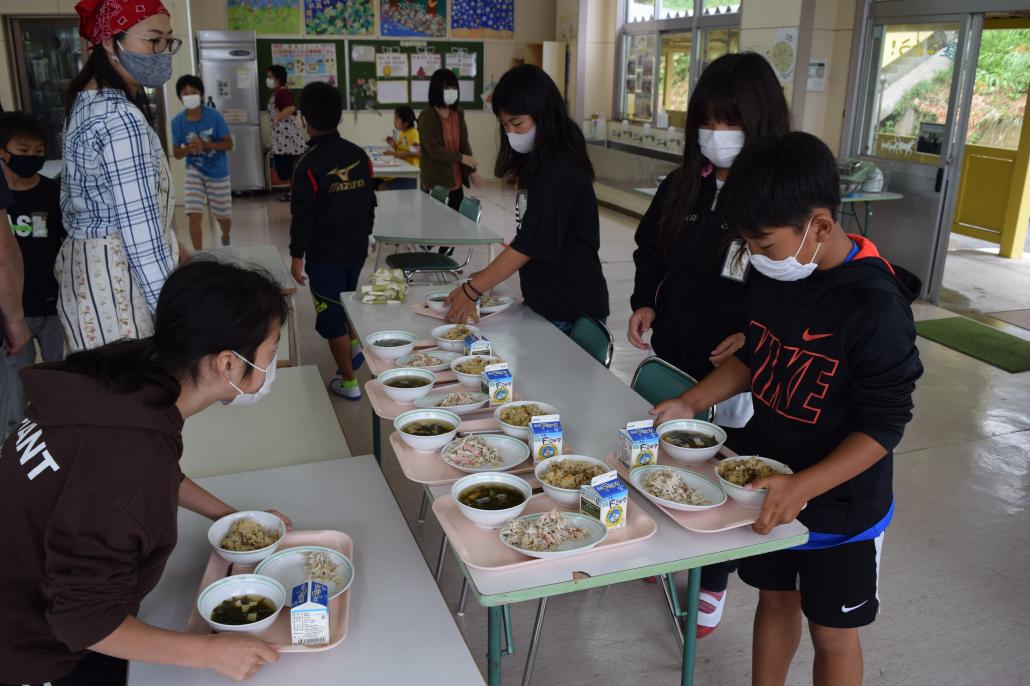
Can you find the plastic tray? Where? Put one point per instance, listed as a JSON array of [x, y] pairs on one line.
[[377, 365], [482, 548], [423, 309], [386, 407], [727, 516], [430, 469], [279, 632]]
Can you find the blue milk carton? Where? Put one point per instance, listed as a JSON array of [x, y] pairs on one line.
[[606, 498], [499, 384], [546, 437], [477, 345], [638, 444], [309, 614]]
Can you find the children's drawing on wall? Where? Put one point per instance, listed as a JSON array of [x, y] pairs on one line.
[[280, 17], [339, 17], [483, 19], [418, 18]]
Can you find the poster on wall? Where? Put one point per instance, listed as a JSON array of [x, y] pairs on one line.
[[463, 64], [339, 17], [483, 19], [391, 65], [306, 62], [423, 64], [783, 53], [281, 17], [414, 18]]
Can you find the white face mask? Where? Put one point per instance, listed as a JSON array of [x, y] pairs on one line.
[[522, 142], [191, 102], [270, 83], [788, 269], [720, 147], [450, 96], [242, 398]]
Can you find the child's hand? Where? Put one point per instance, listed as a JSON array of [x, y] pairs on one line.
[[639, 324], [389, 141], [723, 351], [461, 308], [782, 504], [297, 270], [676, 408]]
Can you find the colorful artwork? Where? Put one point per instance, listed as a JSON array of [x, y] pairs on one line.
[[339, 17], [268, 17], [483, 18], [414, 18], [306, 62]]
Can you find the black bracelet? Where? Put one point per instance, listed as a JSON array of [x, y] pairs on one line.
[[474, 290], [466, 293]]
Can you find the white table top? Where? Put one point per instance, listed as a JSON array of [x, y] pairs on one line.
[[265, 256], [594, 404], [401, 631], [295, 423], [387, 167], [411, 216]]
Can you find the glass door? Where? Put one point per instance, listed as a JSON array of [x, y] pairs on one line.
[[48, 54], [912, 81]]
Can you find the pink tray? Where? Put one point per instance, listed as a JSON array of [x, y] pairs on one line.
[[423, 309], [388, 408], [377, 365], [279, 632], [430, 469], [727, 516], [482, 548]]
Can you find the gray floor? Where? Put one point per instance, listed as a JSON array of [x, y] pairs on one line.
[[956, 609]]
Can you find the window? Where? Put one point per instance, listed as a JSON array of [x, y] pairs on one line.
[[660, 59]]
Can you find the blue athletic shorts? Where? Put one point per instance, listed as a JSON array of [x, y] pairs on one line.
[[327, 281]]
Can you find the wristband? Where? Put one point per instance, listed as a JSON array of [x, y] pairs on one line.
[[474, 289], [466, 293]]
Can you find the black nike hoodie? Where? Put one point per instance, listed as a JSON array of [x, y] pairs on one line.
[[830, 355], [88, 496]]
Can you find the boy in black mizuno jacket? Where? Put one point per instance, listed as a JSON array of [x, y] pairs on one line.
[[831, 362]]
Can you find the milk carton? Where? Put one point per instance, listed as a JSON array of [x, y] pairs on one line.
[[546, 437], [499, 384], [309, 614], [605, 499], [477, 345], [638, 444]]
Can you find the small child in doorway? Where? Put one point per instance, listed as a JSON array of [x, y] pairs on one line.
[[35, 219], [404, 146], [333, 207], [201, 136]]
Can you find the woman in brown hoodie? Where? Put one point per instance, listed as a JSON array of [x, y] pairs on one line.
[[90, 484]]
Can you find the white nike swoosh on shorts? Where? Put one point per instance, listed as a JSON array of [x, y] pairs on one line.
[[845, 609]]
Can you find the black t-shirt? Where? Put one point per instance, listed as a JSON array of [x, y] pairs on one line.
[[35, 219], [558, 229]]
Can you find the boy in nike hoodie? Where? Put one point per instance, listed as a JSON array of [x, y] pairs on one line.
[[830, 359]]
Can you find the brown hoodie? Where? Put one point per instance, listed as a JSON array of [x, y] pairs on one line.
[[88, 498]]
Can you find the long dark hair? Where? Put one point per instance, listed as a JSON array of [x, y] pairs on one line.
[[407, 116], [441, 80], [739, 89], [99, 68], [527, 89], [205, 308]]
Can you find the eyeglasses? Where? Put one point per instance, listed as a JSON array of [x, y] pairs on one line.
[[162, 44]]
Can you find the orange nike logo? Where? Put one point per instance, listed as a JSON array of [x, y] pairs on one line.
[[809, 337]]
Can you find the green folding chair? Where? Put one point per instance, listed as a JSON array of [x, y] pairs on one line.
[[439, 193], [595, 338]]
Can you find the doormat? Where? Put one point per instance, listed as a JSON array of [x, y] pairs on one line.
[[968, 337]]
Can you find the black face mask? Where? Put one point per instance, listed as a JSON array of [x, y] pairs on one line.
[[25, 166]]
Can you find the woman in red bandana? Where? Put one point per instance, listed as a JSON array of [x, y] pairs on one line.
[[116, 191]]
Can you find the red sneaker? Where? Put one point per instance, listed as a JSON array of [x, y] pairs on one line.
[[709, 611]]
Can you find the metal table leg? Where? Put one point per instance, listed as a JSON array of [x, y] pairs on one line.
[[669, 589], [493, 655], [439, 560], [377, 449], [291, 326], [422, 508], [463, 597], [690, 628], [538, 625]]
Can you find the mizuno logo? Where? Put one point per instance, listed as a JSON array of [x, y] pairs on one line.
[[342, 174], [809, 337], [845, 609]]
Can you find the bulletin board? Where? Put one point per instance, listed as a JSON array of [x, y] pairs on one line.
[[398, 71], [264, 61]]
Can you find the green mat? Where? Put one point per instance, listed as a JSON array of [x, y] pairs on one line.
[[994, 347]]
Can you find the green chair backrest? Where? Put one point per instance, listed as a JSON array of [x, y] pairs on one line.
[[657, 380], [594, 337], [471, 208], [439, 193]]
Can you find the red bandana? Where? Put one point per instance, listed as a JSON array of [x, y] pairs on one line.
[[101, 19]]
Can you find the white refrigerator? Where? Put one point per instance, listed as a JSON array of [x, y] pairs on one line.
[[228, 66]]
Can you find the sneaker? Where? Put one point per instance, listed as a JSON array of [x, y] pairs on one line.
[[285, 197], [226, 241], [709, 611], [345, 389]]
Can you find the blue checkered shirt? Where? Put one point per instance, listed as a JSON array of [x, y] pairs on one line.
[[115, 180]]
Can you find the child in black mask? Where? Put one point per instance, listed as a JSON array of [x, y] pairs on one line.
[[35, 219]]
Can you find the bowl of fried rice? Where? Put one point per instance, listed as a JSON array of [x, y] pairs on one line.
[[735, 473], [561, 476], [246, 538]]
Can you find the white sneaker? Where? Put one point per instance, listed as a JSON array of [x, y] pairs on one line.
[[348, 392], [709, 611]]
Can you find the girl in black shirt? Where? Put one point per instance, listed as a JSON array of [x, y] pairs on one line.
[[689, 284], [557, 230]]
